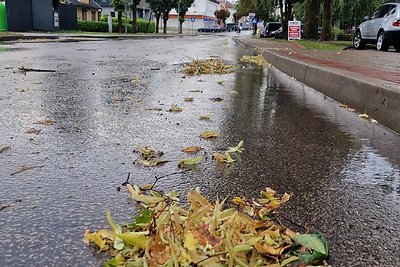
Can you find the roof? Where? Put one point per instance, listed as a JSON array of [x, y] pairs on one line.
[[92, 4]]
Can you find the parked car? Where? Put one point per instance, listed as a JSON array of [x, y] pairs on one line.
[[214, 28], [277, 33], [383, 29], [230, 27], [269, 28], [246, 26]]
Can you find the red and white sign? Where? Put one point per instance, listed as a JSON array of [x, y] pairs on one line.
[[294, 30]]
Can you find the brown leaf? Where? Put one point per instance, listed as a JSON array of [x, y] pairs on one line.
[[32, 131], [188, 99], [46, 122], [158, 252], [351, 109], [205, 233], [192, 149], [216, 99], [5, 149]]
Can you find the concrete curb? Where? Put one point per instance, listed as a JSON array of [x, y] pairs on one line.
[[366, 94]]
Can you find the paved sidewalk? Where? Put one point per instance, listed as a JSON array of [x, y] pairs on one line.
[[367, 80]]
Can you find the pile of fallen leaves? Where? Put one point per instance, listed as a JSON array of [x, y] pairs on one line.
[[259, 60], [168, 233], [208, 66]]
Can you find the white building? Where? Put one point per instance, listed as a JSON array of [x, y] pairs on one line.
[[199, 15]]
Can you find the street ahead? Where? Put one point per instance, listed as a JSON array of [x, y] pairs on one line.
[[107, 97]]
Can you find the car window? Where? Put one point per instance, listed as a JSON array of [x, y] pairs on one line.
[[391, 11], [382, 12]]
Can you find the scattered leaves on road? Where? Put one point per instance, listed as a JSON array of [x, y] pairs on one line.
[[209, 134], [208, 66], [166, 232], [259, 60]]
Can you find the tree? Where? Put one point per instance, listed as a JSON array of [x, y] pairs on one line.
[[119, 7], [168, 5], [134, 5], [326, 32], [312, 19], [222, 15], [183, 7], [236, 17], [157, 7]]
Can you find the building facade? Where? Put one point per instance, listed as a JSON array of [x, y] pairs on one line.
[[199, 15]]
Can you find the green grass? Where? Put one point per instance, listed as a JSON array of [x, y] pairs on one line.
[[332, 45]]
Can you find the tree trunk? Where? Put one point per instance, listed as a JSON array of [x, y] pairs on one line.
[[134, 20], [180, 26], [312, 19], [165, 26], [157, 22], [120, 22], [326, 32]]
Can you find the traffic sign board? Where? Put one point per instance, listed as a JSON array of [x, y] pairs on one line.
[[294, 30], [192, 19]]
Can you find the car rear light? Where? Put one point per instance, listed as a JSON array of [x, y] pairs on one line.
[[396, 23]]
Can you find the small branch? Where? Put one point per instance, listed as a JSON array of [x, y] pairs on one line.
[[25, 168], [23, 69], [127, 179], [209, 257], [4, 207]]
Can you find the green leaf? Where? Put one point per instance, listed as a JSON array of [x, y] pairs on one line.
[[315, 242], [118, 244], [115, 262], [311, 257], [289, 260], [143, 218], [192, 161]]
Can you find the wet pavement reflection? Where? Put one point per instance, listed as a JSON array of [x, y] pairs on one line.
[[109, 96]]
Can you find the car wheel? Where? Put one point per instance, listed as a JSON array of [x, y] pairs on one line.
[[397, 47], [358, 42], [381, 44]]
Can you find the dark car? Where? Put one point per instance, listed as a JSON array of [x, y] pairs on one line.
[[269, 28], [214, 28], [230, 27]]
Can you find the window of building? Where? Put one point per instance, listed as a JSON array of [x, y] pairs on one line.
[[84, 14], [93, 15]]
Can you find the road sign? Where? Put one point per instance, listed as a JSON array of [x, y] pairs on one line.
[[205, 19], [192, 19], [294, 30]]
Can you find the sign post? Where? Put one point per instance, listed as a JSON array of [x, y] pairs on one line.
[[192, 20], [294, 30]]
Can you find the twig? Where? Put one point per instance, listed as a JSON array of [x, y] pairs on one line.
[[4, 206], [166, 175], [22, 68], [127, 179], [290, 221], [25, 168]]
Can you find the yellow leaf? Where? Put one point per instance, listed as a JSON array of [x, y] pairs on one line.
[[229, 159], [46, 122], [205, 117], [221, 82], [188, 99], [136, 239], [265, 249], [343, 105], [351, 109], [95, 238], [209, 134], [140, 197], [363, 116], [190, 242], [152, 162], [32, 131], [175, 108]]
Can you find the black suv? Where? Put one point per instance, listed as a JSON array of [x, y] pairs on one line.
[[269, 28]]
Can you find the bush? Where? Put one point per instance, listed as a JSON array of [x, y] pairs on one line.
[[336, 31], [102, 26]]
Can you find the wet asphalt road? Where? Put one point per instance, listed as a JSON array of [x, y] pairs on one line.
[[344, 172]]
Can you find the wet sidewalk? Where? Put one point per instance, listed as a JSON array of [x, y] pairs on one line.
[[367, 80]]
